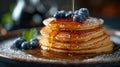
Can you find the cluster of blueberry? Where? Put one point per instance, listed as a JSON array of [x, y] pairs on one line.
[[78, 15], [63, 14], [21, 43], [81, 14]]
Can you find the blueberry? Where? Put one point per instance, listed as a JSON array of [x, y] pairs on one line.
[[17, 43], [34, 43], [84, 11], [76, 12], [78, 18], [56, 15], [60, 14], [25, 45], [34, 39], [68, 14], [82, 14]]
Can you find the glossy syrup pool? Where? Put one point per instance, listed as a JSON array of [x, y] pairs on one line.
[[42, 56]]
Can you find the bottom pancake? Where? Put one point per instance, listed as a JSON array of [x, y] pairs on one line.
[[105, 49]]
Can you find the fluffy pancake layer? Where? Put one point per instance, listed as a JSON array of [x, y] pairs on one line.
[[105, 49], [72, 36], [63, 24]]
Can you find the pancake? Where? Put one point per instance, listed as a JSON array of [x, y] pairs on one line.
[[71, 36], [100, 50], [62, 24]]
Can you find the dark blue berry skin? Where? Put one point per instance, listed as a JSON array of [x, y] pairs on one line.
[[21, 38], [25, 45], [85, 12], [78, 18], [82, 14], [34, 39], [76, 12], [56, 15], [60, 14], [68, 14], [17, 43], [34, 43]]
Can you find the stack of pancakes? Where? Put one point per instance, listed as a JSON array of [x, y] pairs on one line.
[[63, 35]]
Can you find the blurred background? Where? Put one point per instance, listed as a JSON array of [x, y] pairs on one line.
[[20, 14]]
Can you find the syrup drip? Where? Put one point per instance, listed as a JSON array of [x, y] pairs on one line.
[[52, 34], [73, 5]]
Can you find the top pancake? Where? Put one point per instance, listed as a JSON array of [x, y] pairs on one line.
[[68, 24]]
